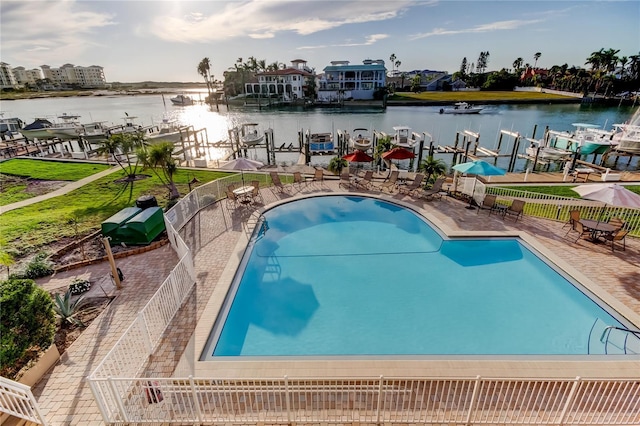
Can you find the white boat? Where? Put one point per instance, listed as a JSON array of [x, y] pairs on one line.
[[68, 128], [545, 152], [627, 137], [181, 100], [37, 130], [95, 132], [461, 108], [592, 139], [10, 128], [360, 139], [250, 134], [169, 130], [404, 137]]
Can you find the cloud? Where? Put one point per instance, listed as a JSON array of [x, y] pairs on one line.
[[484, 28], [47, 32], [260, 19], [372, 39]]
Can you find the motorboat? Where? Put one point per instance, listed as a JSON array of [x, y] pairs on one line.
[[68, 128], [250, 134], [360, 139], [461, 108], [586, 138], [37, 130], [10, 128], [627, 137], [404, 137], [96, 132], [168, 130], [537, 148], [181, 100], [321, 142]]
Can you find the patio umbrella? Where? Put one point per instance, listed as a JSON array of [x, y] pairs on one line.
[[478, 167], [358, 156], [242, 164], [610, 194], [398, 153]]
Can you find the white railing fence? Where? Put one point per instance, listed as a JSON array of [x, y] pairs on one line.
[[463, 401], [553, 207], [17, 400]]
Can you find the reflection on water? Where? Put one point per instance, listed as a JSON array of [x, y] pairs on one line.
[[286, 123]]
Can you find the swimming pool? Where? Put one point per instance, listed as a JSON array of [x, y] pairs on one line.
[[345, 275]]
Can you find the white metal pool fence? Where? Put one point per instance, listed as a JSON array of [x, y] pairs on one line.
[[123, 397], [460, 401], [554, 207]]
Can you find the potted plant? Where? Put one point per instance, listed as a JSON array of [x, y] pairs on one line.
[[337, 164]]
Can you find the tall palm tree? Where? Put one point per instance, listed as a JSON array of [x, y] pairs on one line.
[[536, 56], [392, 58], [517, 64], [204, 69]]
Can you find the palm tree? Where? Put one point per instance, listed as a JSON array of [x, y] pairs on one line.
[[536, 56], [204, 69], [125, 144], [517, 64], [160, 156], [432, 167], [392, 58]]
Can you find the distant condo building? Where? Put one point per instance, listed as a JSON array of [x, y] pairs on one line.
[[341, 80], [67, 75]]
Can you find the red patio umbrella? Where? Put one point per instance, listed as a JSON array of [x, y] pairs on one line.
[[358, 156], [398, 153]]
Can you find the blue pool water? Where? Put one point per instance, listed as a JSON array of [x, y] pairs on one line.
[[340, 275]]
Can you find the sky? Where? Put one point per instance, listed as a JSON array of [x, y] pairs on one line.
[[165, 40]]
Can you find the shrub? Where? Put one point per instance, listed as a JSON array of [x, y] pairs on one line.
[[27, 323], [66, 308], [38, 267], [79, 286]]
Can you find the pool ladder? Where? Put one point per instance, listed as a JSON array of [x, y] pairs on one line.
[[613, 339]]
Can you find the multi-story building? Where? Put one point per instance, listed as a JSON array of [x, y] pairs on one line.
[[7, 79], [68, 74], [342, 80], [289, 83], [24, 76]]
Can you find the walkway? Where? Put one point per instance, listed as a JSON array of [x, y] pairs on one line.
[[64, 395], [60, 191]]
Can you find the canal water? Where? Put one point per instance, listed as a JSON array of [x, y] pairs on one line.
[[287, 122]]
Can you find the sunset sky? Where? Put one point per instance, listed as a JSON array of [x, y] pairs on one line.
[[165, 40]]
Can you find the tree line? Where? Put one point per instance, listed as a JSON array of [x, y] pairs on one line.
[[608, 74]]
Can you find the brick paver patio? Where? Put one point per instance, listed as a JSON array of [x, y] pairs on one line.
[[64, 395]]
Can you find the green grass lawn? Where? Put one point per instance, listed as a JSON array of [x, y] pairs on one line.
[[561, 190], [28, 229], [475, 96], [50, 170]]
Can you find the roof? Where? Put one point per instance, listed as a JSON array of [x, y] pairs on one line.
[[286, 71]]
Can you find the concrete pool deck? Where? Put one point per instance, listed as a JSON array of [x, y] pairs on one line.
[[64, 395]]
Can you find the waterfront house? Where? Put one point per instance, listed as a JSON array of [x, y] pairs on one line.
[[289, 84], [341, 80]]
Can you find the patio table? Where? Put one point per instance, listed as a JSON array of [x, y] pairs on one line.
[[597, 228], [244, 193]]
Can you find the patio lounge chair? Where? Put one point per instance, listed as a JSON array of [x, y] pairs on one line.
[[392, 183], [318, 176], [275, 178], [415, 185], [620, 235], [365, 182], [488, 203], [298, 179], [436, 189], [515, 209], [345, 179]]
